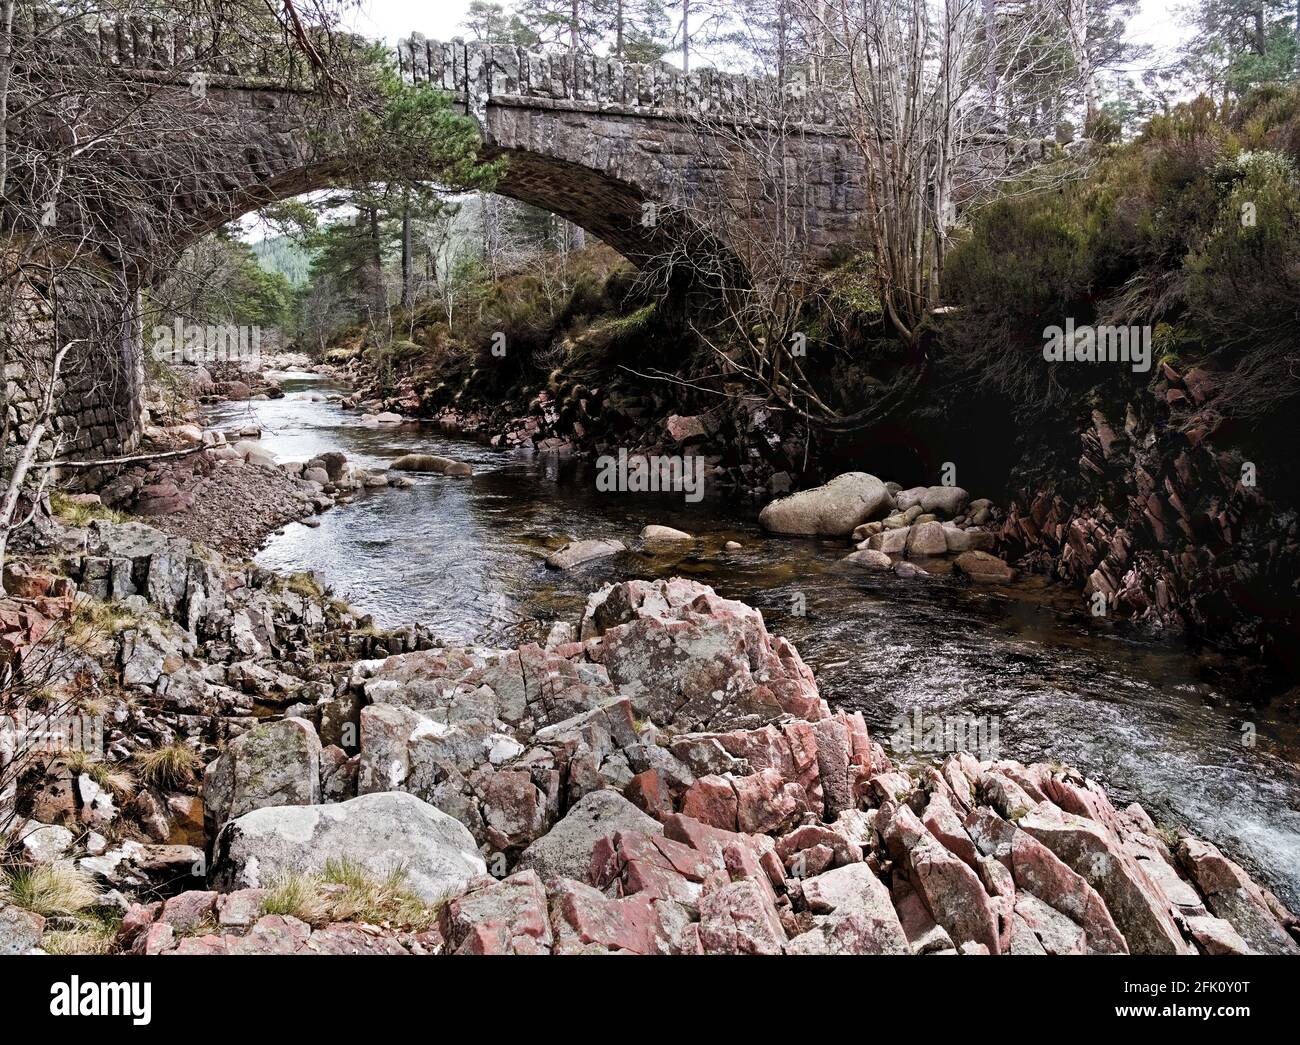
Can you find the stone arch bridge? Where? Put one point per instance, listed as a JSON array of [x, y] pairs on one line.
[[626, 151], [611, 146]]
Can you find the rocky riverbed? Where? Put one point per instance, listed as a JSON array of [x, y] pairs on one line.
[[186, 475], [465, 558], [192, 495], [663, 776], [660, 774]]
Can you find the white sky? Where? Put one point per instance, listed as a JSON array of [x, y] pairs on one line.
[[1158, 22]]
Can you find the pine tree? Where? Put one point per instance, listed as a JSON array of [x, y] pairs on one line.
[[1239, 44], [488, 23]]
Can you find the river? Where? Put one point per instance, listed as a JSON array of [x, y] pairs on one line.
[[464, 556]]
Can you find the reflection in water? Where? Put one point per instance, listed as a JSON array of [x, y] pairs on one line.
[[465, 557]]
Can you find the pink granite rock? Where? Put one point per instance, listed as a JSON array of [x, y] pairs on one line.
[[854, 891], [1230, 894], [765, 803], [951, 890], [187, 911], [712, 800], [505, 917], [739, 918], [943, 822], [585, 921], [1136, 904]]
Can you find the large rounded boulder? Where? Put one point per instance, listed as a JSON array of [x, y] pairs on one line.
[[380, 833], [431, 463], [833, 510]]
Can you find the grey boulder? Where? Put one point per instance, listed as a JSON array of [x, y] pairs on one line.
[[431, 463], [869, 560], [832, 510], [575, 553], [380, 833], [273, 764], [950, 500], [926, 539], [565, 851], [20, 930]]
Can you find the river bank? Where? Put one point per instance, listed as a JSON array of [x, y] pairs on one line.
[[462, 562], [466, 559], [1144, 498], [663, 777], [188, 475]]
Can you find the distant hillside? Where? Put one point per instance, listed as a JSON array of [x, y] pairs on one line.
[[283, 255]]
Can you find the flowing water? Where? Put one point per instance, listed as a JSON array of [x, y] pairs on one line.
[[464, 556]]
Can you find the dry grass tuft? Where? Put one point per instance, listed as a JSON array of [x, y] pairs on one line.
[[346, 892]]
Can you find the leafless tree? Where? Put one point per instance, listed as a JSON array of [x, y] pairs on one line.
[[95, 159], [918, 85], [444, 252], [913, 85], [739, 230], [1075, 16]]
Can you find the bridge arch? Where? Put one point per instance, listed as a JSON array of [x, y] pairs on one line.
[[259, 152], [596, 139], [593, 140]]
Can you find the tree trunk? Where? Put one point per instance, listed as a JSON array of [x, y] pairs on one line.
[[374, 263], [1078, 23], [781, 71], [828, 44], [990, 55], [406, 256], [27, 458], [6, 69], [686, 36]]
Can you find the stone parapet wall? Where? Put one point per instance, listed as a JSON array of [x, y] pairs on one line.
[[149, 46], [478, 71]]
